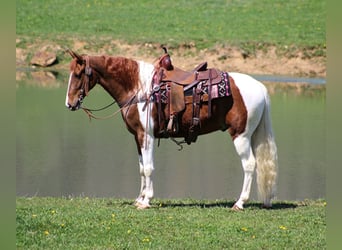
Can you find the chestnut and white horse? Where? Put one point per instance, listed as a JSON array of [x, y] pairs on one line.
[[245, 114]]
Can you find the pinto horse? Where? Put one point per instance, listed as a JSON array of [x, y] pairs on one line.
[[245, 114]]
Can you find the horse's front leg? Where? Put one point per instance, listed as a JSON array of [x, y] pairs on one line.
[[145, 140], [146, 169], [141, 195]]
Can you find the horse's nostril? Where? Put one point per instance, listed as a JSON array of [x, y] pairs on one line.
[[70, 107], [74, 107]]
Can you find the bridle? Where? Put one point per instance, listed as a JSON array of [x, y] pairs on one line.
[[85, 84]]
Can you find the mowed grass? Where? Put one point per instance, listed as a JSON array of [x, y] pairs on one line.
[[90, 223], [203, 23]]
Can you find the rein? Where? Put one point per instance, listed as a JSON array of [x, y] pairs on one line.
[[92, 110], [127, 104], [91, 115]]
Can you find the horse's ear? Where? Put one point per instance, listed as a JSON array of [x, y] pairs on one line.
[[75, 56]]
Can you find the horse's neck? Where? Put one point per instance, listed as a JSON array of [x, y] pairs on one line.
[[119, 76]]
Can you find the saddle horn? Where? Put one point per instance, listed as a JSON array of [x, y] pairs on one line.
[[165, 49], [165, 60]]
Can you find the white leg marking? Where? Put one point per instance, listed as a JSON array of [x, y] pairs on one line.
[[142, 187], [243, 148]]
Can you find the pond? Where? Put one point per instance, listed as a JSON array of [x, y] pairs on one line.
[[62, 153]]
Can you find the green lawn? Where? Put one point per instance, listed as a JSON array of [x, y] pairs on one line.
[[204, 23], [88, 223]]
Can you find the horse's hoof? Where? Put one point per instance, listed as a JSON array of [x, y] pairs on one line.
[[141, 206], [138, 202], [237, 208]]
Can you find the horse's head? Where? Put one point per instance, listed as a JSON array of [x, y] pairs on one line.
[[81, 80]]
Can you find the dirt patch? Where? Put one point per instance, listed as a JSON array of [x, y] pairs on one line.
[[261, 62], [266, 61]]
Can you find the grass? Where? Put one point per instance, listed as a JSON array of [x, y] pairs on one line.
[[201, 23], [91, 223]]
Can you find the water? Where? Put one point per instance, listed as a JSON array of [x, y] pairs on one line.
[[61, 153], [269, 78]]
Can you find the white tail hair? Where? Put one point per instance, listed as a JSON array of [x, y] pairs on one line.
[[265, 151]]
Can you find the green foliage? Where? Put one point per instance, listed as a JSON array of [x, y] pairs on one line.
[[83, 223], [203, 23]]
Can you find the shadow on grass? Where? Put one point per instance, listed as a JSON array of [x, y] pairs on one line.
[[228, 204], [212, 204]]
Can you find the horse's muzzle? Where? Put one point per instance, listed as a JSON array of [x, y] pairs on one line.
[[74, 107]]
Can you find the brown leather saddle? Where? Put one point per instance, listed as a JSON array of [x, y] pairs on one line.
[[178, 82]]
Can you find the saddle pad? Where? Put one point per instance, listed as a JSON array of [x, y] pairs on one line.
[[218, 90]]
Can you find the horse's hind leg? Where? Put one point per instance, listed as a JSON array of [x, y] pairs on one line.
[[243, 147]]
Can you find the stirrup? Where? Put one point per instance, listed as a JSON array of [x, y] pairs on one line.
[[193, 131], [172, 127]]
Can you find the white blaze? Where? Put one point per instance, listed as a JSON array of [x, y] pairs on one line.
[[67, 98]]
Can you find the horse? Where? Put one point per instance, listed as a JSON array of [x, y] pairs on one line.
[[245, 114]]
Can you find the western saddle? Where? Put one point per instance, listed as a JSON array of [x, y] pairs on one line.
[[177, 83]]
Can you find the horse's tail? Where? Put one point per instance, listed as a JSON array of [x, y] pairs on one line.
[[265, 151]]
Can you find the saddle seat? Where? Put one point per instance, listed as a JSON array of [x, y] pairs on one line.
[[185, 78]]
